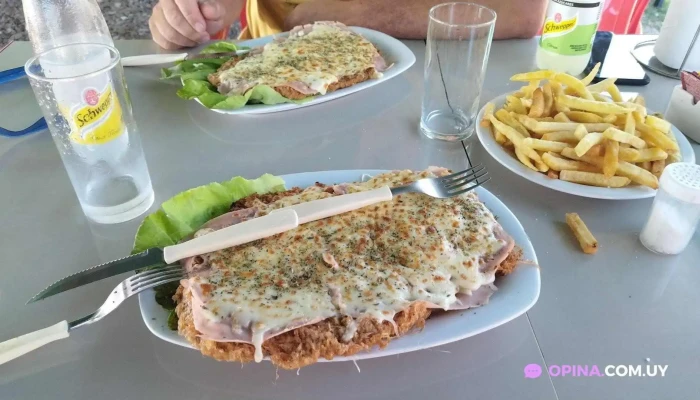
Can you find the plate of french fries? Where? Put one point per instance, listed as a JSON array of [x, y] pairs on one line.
[[580, 138]]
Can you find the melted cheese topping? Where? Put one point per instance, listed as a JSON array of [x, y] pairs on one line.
[[316, 58], [372, 262]]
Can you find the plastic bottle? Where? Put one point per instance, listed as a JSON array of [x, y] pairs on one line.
[[54, 23], [567, 35]]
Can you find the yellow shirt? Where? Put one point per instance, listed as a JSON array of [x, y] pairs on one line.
[[266, 17]]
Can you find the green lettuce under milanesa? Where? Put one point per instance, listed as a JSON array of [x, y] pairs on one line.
[[193, 74], [184, 213]]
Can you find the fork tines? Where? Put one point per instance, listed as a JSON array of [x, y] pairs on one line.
[[466, 180], [155, 277]]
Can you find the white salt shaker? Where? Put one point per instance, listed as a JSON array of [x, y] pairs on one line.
[[676, 210]]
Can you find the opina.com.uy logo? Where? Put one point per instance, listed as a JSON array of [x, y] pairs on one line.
[[533, 371]]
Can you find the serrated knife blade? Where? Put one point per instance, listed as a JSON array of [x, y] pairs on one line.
[[148, 258]]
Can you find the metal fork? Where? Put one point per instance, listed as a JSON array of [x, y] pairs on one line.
[[132, 285], [447, 186]]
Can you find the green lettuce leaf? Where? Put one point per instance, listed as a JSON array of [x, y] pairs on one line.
[[183, 214], [220, 47], [210, 98]]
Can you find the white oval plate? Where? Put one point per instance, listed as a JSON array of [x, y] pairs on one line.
[[512, 163], [516, 293], [394, 52]]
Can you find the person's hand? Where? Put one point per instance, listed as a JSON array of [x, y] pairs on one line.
[[185, 23]]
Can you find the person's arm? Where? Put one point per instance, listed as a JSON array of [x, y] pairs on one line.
[[408, 19]]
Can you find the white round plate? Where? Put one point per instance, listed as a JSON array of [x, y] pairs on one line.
[[516, 293], [509, 161]]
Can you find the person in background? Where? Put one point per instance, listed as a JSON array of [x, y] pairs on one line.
[[186, 23]]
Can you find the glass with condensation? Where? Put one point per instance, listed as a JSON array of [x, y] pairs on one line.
[[457, 51], [82, 93]]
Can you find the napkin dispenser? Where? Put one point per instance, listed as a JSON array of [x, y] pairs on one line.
[[684, 113]]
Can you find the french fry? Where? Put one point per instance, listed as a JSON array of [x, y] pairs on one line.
[[629, 155], [631, 171], [630, 124], [657, 138], [563, 136], [601, 98], [545, 145], [639, 100], [545, 127], [552, 174], [512, 135], [591, 75], [548, 99], [591, 105], [561, 117], [515, 104], [653, 154], [593, 179], [517, 140], [637, 175], [638, 118], [488, 110], [633, 106], [601, 86], [585, 238], [499, 137], [537, 108], [532, 76], [562, 164], [580, 132], [624, 137], [585, 117], [507, 119], [614, 92], [657, 167], [610, 118], [587, 142], [544, 119], [573, 83], [524, 159], [611, 158], [597, 150], [645, 165], [541, 166]]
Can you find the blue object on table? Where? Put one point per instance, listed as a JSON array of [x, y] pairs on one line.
[[12, 75], [9, 76]]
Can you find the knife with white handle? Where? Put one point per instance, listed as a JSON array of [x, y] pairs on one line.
[[152, 59], [13, 348], [158, 59], [328, 207], [234, 235]]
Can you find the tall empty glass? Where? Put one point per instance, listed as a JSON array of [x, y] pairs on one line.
[[83, 96], [457, 51]]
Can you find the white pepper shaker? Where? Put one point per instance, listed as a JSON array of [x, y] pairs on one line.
[[676, 210]]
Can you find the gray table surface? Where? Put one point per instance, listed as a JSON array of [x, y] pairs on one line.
[[619, 307]]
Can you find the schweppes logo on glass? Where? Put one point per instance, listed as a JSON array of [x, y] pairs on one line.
[[98, 118], [561, 26]]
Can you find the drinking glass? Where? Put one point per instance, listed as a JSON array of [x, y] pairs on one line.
[[82, 93], [456, 54]]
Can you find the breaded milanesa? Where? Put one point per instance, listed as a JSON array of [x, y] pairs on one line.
[[304, 345]]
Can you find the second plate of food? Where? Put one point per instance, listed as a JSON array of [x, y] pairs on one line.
[[508, 159]]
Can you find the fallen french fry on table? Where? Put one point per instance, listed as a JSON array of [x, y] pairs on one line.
[[585, 238]]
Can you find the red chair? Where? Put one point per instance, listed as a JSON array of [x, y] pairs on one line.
[[622, 16]]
